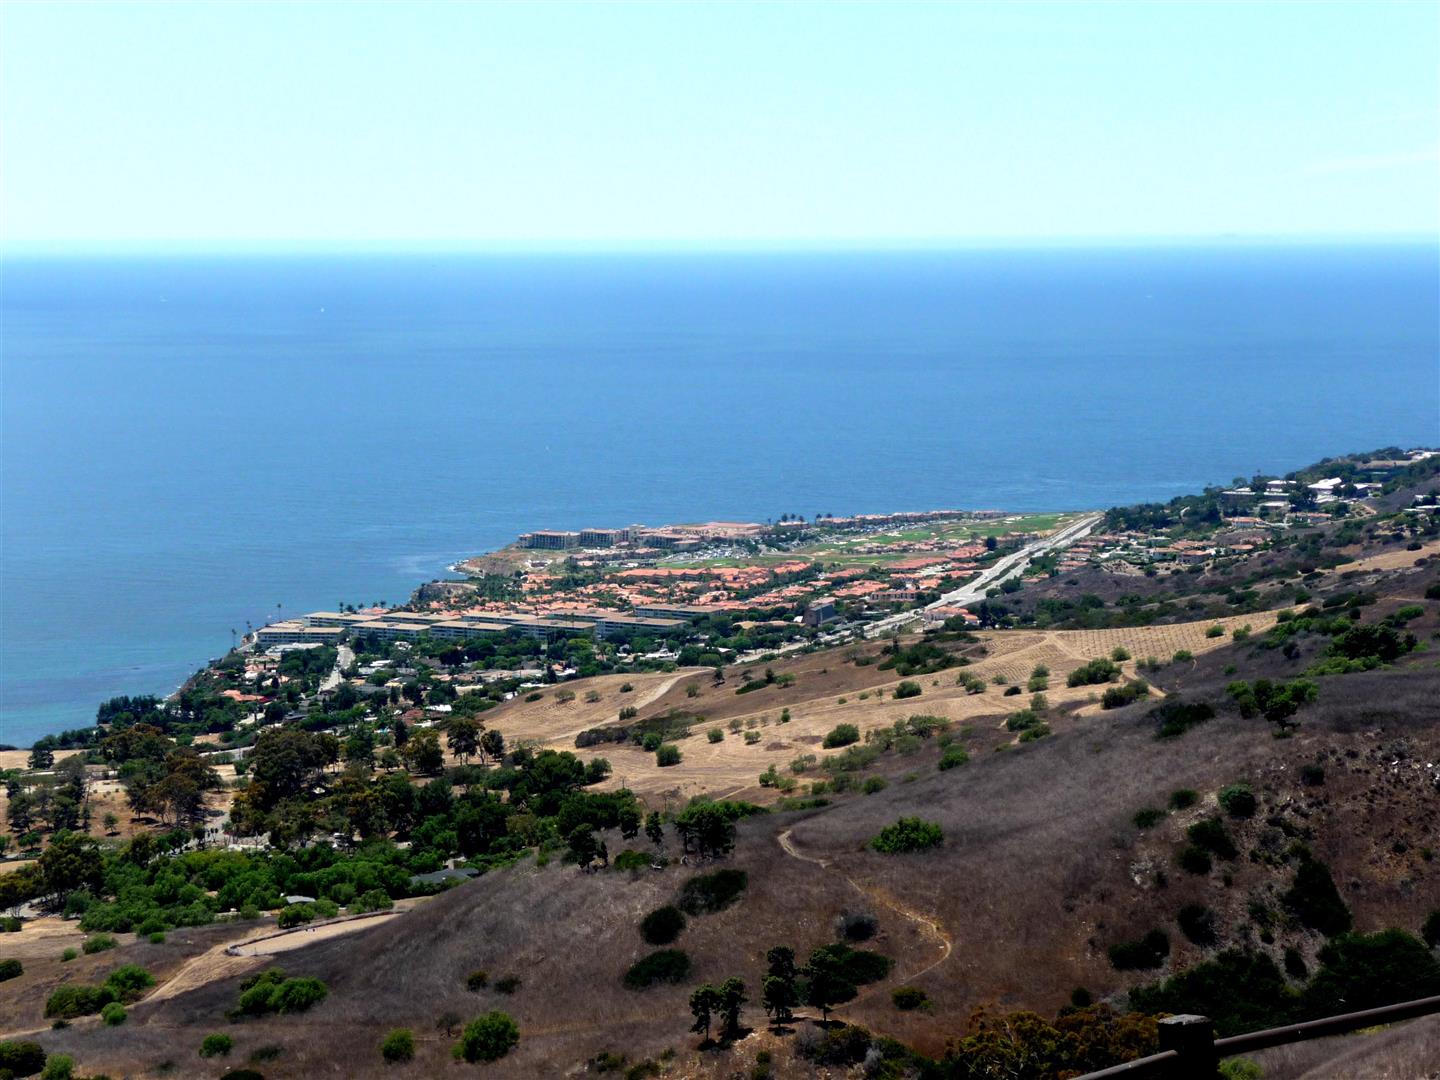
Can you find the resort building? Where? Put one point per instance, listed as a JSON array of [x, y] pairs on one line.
[[294, 632], [550, 540]]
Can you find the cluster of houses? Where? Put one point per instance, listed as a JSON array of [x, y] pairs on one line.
[[327, 627]]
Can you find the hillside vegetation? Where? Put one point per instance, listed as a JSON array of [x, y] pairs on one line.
[[1009, 869]]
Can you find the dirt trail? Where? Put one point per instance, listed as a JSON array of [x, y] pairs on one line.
[[213, 964], [661, 689], [932, 926], [235, 957]]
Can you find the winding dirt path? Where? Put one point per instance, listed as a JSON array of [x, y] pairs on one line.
[[658, 691], [235, 957], [932, 926]]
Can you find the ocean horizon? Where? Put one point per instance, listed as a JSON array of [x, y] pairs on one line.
[[192, 445]]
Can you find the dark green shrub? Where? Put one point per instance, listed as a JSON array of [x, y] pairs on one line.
[[372, 900], [873, 785], [862, 966], [243, 1074], [1295, 964], [129, 981], [1195, 860], [487, 1038], [1366, 971], [1197, 922], [298, 995], [11, 969], [1117, 697], [663, 925], [1209, 835], [255, 991], [1312, 775], [712, 892], [217, 1045], [1172, 717], [1313, 899], [1149, 951], [629, 859], [1239, 991], [1183, 799], [1096, 671], [665, 965], [507, 984], [76, 999], [667, 754], [113, 1014], [1148, 817], [841, 735], [477, 981], [840, 1046], [1430, 929], [98, 943], [856, 926], [908, 689], [21, 1058], [953, 757], [1238, 801], [1023, 720], [295, 915], [907, 998], [906, 835], [271, 991], [398, 1046]]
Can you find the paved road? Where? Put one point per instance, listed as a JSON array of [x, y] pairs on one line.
[[344, 657], [1010, 566]]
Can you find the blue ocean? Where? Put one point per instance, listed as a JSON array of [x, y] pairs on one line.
[[192, 446]]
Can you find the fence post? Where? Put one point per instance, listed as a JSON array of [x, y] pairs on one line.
[[1193, 1040]]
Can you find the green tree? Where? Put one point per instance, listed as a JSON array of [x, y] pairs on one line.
[[710, 826], [908, 834], [827, 983], [704, 1003], [424, 753], [629, 821], [655, 829], [487, 1038], [70, 862], [779, 993], [583, 847], [462, 735], [732, 999]]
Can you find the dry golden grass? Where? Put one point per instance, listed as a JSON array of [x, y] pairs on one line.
[[20, 759], [1390, 560], [732, 767]]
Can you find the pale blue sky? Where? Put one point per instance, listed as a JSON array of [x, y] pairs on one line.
[[599, 126]]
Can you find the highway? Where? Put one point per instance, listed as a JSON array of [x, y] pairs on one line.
[[1010, 566]]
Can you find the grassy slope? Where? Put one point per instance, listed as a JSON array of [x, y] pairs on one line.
[[1042, 869]]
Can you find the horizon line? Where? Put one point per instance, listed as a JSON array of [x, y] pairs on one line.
[[706, 246]]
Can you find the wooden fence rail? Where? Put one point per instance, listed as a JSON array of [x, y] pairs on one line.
[[1190, 1051]]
